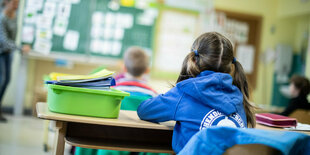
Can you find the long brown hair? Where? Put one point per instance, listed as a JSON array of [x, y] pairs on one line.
[[214, 52]]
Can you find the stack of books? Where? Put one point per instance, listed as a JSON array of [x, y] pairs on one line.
[[99, 80]]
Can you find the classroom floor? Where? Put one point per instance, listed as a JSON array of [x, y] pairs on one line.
[[23, 135]]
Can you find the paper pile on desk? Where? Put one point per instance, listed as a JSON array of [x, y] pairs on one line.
[[99, 80], [300, 127]]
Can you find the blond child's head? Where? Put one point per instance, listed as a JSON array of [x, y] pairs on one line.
[[136, 61]]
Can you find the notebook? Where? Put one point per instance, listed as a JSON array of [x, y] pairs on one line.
[[95, 76], [97, 83], [275, 120], [102, 80]]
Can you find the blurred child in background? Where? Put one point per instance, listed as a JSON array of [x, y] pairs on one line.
[[299, 90], [134, 78], [134, 81]]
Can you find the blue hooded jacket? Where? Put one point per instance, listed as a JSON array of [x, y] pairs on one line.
[[214, 141], [210, 99]]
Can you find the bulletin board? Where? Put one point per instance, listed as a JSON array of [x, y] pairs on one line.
[[251, 42], [84, 27], [177, 30]]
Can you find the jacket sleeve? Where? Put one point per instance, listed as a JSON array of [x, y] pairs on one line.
[[161, 108], [6, 44]]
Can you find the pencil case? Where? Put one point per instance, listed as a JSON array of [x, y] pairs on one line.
[[275, 120]]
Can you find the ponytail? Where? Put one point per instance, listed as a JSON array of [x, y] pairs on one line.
[[189, 67], [240, 81]]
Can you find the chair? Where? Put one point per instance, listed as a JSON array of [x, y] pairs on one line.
[[302, 116]]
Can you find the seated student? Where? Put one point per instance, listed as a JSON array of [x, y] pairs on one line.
[[133, 80], [299, 90], [136, 66], [211, 90]]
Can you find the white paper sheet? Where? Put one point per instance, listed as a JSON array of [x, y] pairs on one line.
[[75, 1], [142, 4], [64, 10], [107, 47], [145, 20], [96, 46], [116, 48], [30, 16], [300, 127], [245, 55], [127, 21], [49, 9], [108, 32], [71, 40], [119, 20], [44, 34], [42, 46], [147, 17], [110, 19], [44, 22], [60, 26], [97, 18], [174, 42], [119, 34], [28, 34], [96, 32], [34, 4]]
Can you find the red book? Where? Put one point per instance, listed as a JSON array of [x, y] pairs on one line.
[[275, 120]]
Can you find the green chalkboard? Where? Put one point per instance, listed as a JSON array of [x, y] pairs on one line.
[[78, 21], [81, 21], [137, 35]]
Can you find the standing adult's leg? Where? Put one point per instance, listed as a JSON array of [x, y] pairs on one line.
[[5, 75]]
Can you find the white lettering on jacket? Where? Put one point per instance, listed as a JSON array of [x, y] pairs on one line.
[[216, 118]]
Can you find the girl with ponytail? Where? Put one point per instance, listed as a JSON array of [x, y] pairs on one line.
[[211, 90]]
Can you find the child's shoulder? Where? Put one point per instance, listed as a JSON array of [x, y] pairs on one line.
[[209, 78]]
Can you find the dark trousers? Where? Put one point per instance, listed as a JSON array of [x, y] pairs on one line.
[[5, 73]]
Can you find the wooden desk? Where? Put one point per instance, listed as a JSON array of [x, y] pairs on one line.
[[127, 133]]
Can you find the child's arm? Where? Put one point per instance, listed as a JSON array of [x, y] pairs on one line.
[[161, 108]]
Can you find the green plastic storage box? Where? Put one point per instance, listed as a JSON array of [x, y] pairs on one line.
[[83, 101]]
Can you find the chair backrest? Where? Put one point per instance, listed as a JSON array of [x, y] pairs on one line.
[[133, 101], [302, 116], [221, 140], [252, 149]]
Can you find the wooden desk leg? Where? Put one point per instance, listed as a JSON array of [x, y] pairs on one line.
[[59, 141]]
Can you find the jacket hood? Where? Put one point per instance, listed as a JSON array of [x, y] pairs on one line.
[[215, 90]]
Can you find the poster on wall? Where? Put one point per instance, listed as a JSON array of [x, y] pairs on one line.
[[174, 39], [71, 40], [245, 55]]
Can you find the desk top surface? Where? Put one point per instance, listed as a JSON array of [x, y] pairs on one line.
[[125, 119]]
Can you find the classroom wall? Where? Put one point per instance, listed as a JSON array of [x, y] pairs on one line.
[[308, 54], [284, 22], [302, 28], [266, 9], [287, 8], [281, 24]]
